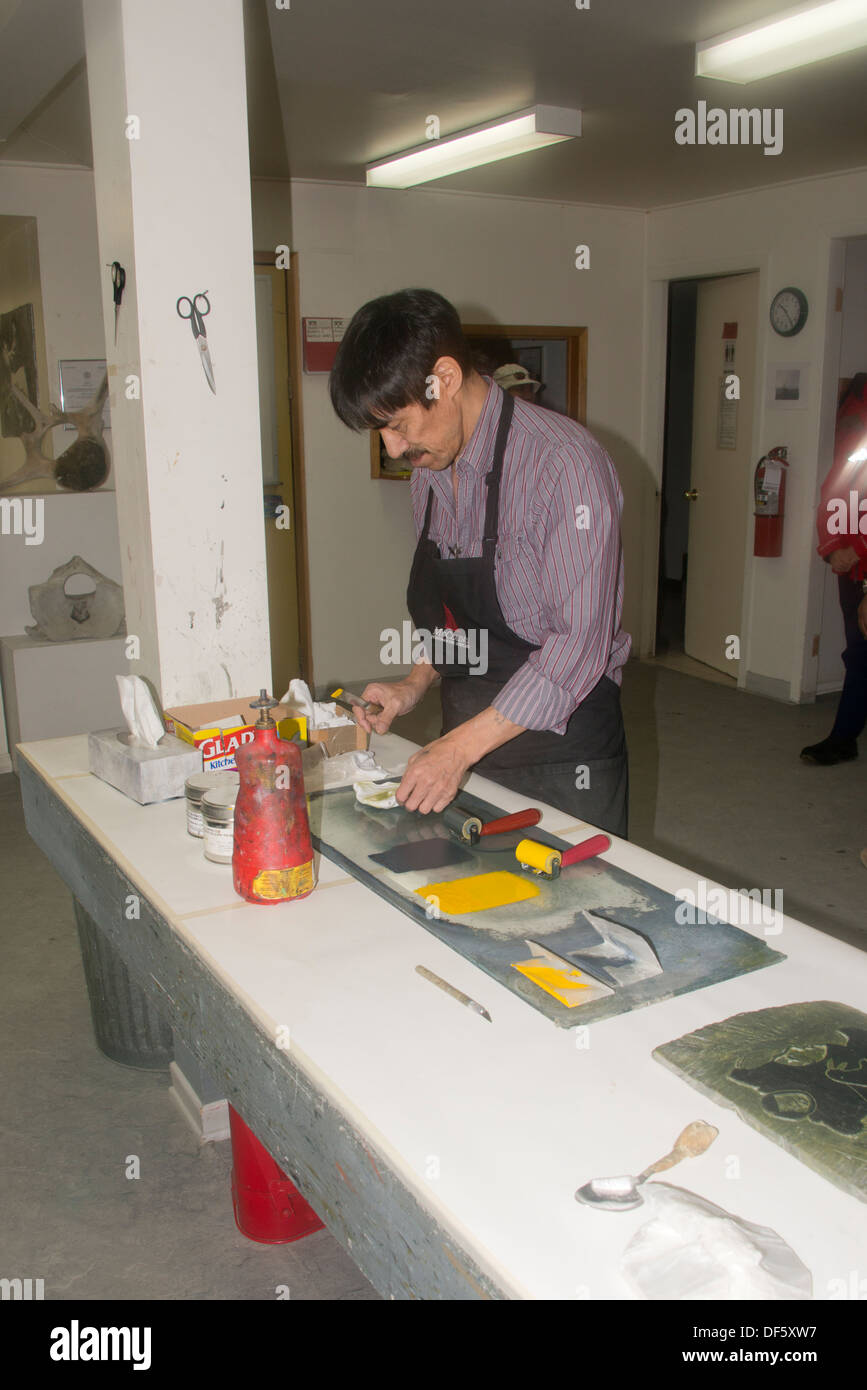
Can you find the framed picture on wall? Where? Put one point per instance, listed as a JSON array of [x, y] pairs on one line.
[[80, 380], [17, 368], [788, 385]]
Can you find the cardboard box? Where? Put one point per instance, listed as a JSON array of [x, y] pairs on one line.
[[196, 724], [345, 738]]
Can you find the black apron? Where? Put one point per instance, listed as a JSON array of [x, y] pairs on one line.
[[582, 771]]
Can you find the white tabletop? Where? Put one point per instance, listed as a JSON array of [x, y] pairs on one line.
[[491, 1125]]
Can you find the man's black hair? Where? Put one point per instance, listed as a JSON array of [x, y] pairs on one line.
[[388, 353]]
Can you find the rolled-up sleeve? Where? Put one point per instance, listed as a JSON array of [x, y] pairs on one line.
[[581, 572]]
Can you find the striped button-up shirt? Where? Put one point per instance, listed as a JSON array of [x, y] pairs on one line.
[[559, 563]]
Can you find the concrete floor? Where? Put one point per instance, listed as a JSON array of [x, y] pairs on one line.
[[717, 785]]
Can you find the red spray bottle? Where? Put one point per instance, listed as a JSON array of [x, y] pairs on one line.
[[272, 860]]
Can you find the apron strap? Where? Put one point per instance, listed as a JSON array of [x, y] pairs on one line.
[[495, 473], [492, 509]]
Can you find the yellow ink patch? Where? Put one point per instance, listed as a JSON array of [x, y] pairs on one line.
[[568, 986], [480, 892]]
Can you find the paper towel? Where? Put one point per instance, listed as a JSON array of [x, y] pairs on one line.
[[141, 714], [319, 715]]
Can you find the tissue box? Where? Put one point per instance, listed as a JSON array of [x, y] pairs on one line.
[[143, 774], [199, 725]]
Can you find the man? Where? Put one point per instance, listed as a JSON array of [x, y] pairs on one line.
[[517, 381], [842, 525], [517, 513]]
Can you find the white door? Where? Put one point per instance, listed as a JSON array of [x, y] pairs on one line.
[[725, 347]]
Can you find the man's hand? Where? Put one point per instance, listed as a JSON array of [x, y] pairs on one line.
[[862, 616], [841, 561], [433, 775], [396, 698]]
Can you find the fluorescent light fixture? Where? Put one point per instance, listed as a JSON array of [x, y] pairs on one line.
[[530, 129], [859, 456], [789, 40]]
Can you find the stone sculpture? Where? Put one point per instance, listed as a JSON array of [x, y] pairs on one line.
[[63, 617]]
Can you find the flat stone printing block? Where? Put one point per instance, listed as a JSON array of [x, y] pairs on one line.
[[144, 774]]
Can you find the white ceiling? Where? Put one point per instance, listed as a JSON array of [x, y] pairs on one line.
[[342, 82]]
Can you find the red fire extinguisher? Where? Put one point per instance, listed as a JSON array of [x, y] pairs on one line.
[[273, 853], [770, 494]]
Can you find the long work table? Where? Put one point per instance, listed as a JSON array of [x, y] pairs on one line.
[[442, 1150]]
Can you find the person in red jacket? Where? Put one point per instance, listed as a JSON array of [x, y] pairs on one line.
[[842, 527]]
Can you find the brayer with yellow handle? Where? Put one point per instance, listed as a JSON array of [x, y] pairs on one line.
[[546, 862]]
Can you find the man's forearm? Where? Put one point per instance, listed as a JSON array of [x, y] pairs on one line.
[[483, 733], [433, 774], [423, 676]]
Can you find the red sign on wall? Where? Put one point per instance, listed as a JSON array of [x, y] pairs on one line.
[[321, 339]]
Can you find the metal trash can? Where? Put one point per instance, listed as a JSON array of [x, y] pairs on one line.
[[127, 1026]]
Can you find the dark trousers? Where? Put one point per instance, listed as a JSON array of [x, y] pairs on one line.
[[852, 709], [584, 773], [604, 801]]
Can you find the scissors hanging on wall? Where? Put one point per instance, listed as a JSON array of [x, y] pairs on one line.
[[196, 317], [118, 280]]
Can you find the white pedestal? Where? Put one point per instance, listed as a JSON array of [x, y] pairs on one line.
[[51, 689]]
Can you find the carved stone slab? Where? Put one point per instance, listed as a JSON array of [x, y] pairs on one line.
[[797, 1073]]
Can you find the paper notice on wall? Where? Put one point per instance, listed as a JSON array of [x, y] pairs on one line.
[[319, 330], [727, 419], [771, 480]]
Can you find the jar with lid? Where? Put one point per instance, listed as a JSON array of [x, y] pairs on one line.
[[218, 815], [195, 788]]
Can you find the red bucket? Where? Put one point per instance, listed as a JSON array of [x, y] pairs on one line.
[[268, 1206]]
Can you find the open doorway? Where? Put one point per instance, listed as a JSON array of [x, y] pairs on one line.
[[707, 461]]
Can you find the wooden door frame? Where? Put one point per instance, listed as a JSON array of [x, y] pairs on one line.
[[299, 485], [576, 371], [576, 356]]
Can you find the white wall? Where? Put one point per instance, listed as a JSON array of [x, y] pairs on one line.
[[272, 214], [786, 233], [499, 260]]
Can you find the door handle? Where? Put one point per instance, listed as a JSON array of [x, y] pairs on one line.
[[691, 495]]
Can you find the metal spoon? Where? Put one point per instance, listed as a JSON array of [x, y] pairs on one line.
[[620, 1194]]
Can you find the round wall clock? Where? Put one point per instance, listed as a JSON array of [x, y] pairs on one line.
[[788, 311]]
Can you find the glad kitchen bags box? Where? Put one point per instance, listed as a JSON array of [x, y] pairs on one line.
[[219, 727]]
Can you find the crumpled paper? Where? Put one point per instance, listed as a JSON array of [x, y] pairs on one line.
[[321, 772], [379, 796], [319, 714], [692, 1249], [141, 714]]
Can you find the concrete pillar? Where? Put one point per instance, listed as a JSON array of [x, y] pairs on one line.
[[169, 118]]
